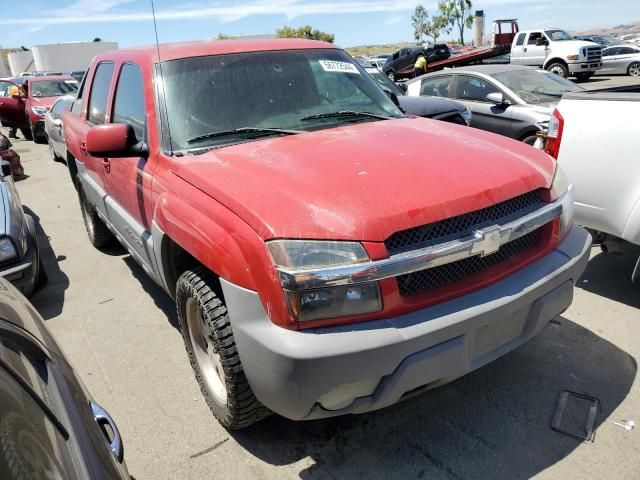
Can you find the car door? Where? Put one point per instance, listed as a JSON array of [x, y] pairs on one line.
[[472, 90], [94, 113], [623, 58], [435, 86], [128, 180], [534, 54], [54, 133], [608, 59], [12, 110], [517, 51]]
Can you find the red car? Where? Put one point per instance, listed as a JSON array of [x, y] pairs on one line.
[[327, 253], [26, 109]]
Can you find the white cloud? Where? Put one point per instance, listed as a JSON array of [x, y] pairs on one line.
[[394, 19]]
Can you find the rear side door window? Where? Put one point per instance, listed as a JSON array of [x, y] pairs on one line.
[[100, 93], [439, 86], [128, 107], [474, 88], [520, 40]]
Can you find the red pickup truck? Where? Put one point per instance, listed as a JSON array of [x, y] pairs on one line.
[[23, 105], [327, 254]]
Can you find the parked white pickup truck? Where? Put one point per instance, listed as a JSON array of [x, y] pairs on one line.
[[601, 160], [557, 51]]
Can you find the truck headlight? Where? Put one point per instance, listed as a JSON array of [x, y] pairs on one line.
[[564, 190], [39, 110], [7, 250], [329, 302], [573, 57]]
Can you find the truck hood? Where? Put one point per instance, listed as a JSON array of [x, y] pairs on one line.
[[365, 181], [577, 43]]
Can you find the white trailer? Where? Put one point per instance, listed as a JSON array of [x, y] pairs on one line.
[[21, 62], [58, 57]]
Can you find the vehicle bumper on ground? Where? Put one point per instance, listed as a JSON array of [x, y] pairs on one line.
[[370, 365], [584, 67], [24, 274]]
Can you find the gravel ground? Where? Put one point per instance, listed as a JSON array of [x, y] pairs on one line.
[[119, 330]]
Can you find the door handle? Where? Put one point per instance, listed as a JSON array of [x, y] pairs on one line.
[[102, 418], [524, 49], [106, 163], [83, 146]]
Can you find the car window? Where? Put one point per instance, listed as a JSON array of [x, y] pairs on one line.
[[77, 102], [536, 86], [129, 102], [607, 52], [533, 38], [100, 92], [474, 88], [58, 108], [53, 88], [4, 88], [626, 51], [520, 40], [436, 86]]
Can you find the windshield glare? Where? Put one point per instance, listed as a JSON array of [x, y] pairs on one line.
[[53, 88], [536, 86], [558, 35], [273, 89]]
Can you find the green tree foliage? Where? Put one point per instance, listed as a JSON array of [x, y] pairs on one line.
[[222, 36], [422, 25], [457, 13], [305, 32], [419, 20]]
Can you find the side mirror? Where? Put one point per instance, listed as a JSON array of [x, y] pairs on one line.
[[57, 122], [6, 168], [115, 140], [497, 98], [541, 42]]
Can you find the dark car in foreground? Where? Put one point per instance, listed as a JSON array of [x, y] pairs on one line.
[[50, 427], [400, 64], [20, 261], [427, 107], [8, 154]]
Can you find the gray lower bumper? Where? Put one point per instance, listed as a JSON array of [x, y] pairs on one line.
[[385, 361]]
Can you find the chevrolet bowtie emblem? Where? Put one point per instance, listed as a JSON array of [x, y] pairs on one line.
[[488, 241]]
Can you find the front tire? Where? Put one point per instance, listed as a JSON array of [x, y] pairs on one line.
[[212, 351], [634, 69], [34, 136], [559, 69], [98, 233]]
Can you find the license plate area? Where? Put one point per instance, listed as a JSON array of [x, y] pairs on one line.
[[494, 334]]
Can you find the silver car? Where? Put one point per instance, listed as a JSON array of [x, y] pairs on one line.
[[624, 59], [511, 100], [53, 128]]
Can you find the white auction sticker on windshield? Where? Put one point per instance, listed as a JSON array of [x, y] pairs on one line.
[[339, 67]]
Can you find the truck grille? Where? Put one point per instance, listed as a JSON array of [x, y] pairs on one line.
[[417, 282], [594, 54], [462, 225]]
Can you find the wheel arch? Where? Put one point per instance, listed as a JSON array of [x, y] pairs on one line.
[[553, 60]]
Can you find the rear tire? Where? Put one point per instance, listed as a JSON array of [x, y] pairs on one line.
[[634, 69], [559, 69], [530, 139], [212, 351], [583, 77], [34, 136], [98, 233]]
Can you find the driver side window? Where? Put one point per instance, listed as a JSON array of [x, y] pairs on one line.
[[533, 38], [474, 88]]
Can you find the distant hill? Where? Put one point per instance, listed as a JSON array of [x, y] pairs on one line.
[[376, 49], [617, 31]]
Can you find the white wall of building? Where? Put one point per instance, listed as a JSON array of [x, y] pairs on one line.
[[72, 56], [21, 62]]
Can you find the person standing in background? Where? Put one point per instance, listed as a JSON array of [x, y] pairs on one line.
[[420, 67]]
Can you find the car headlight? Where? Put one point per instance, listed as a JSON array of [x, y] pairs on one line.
[[564, 191], [7, 250], [329, 302], [39, 110], [466, 114]]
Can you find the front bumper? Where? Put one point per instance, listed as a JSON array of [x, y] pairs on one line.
[[384, 361], [584, 67]]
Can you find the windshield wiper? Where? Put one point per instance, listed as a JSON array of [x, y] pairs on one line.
[[234, 131], [346, 113]]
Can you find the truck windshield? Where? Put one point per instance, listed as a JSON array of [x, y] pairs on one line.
[[558, 35], [266, 90], [536, 86], [53, 88]]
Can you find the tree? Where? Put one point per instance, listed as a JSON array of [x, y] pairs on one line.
[[457, 14], [419, 20], [435, 27], [222, 36], [304, 32]]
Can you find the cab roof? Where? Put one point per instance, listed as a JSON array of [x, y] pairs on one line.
[[173, 51]]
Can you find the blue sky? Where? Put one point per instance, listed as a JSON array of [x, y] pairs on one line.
[[354, 22]]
